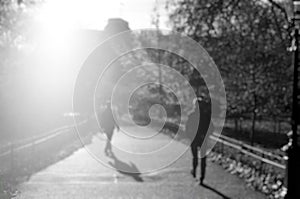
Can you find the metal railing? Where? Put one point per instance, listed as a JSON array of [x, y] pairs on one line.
[[22, 144], [10, 152], [266, 157], [254, 152]]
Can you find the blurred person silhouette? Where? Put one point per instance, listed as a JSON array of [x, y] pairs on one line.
[[108, 124], [201, 116]]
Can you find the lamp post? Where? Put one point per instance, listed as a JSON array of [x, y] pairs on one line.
[[293, 165]]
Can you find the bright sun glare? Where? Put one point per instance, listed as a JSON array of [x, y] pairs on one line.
[[56, 22], [56, 19], [65, 14]]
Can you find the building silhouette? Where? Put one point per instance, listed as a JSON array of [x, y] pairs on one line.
[[116, 25]]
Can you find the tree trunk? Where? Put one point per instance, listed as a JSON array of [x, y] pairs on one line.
[[253, 121], [240, 125], [236, 125], [253, 128], [275, 125]]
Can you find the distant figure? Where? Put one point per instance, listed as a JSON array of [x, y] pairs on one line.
[[108, 124], [199, 139]]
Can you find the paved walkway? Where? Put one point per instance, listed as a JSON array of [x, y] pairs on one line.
[[82, 176]]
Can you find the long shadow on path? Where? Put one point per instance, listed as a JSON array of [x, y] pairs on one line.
[[215, 191], [125, 168]]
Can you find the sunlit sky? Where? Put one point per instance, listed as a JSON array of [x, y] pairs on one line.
[[93, 14], [57, 51]]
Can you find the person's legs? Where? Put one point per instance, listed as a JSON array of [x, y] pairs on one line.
[[107, 147], [108, 142], [194, 149], [203, 162], [203, 169]]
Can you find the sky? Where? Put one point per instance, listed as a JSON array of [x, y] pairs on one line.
[[93, 14]]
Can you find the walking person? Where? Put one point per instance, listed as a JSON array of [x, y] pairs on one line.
[[108, 124], [202, 111]]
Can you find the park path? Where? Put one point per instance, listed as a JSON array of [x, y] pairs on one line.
[[82, 176]]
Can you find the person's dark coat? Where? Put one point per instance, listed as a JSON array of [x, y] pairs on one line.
[[107, 121], [201, 119]]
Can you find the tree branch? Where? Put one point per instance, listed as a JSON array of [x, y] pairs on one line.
[[278, 6]]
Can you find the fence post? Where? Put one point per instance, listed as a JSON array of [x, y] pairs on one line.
[[222, 148], [262, 164]]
